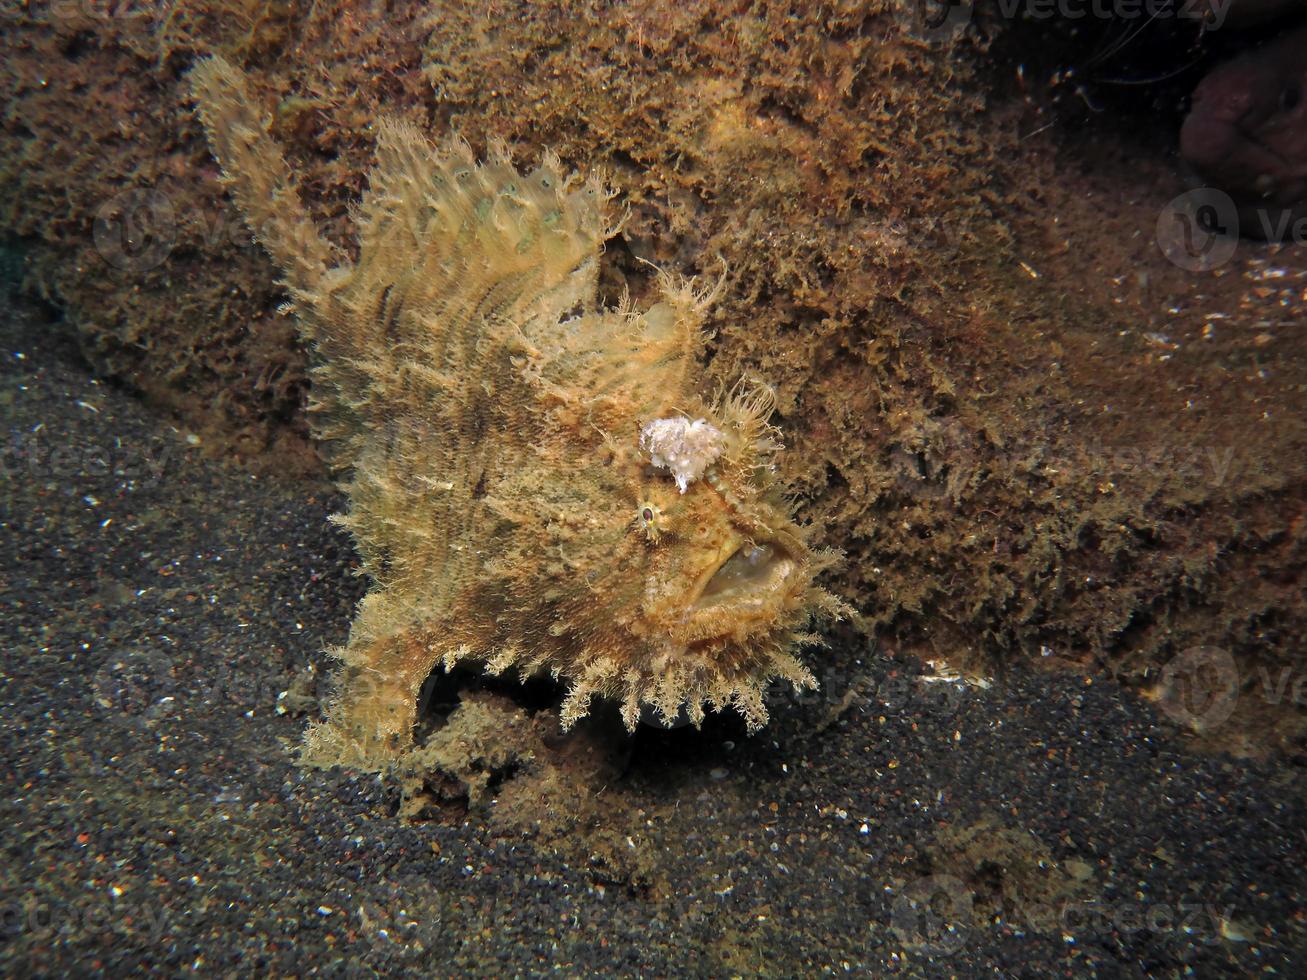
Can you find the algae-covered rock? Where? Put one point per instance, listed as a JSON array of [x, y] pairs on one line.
[[1032, 435]]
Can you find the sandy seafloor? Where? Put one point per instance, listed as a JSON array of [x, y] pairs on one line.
[[156, 604]]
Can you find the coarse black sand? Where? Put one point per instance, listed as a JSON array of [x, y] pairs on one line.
[[161, 612]]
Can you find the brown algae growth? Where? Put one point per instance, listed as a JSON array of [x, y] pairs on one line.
[[534, 483]]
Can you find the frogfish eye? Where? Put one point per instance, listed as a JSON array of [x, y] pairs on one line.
[[649, 519]]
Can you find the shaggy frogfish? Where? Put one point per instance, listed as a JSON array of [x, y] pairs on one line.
[[534, 482]]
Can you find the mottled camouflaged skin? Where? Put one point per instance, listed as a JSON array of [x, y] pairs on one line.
[[484, 417]]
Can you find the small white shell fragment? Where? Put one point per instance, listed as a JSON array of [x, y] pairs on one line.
[[684, 447]]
